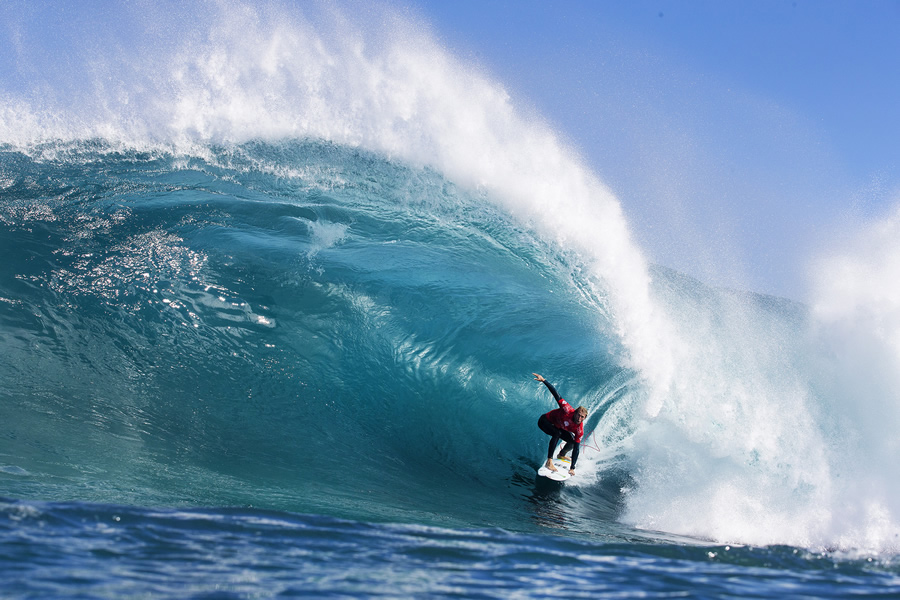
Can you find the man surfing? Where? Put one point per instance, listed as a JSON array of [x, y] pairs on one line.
[[564, 423]]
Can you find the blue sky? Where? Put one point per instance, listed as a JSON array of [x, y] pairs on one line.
[[742, 138]]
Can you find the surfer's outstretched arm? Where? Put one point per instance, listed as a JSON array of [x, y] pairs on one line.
[[552, 389]]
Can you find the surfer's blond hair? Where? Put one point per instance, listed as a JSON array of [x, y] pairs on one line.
[[582, 411]]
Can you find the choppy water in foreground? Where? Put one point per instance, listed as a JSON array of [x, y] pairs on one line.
[[103, 551]]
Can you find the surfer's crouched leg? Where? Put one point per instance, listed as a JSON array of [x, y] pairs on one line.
[[565, 450], [555, 434], [550, 429]]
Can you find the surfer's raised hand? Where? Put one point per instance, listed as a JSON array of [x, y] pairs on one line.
[[538, 377]]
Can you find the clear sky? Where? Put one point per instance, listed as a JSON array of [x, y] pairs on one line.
[[740, 137]]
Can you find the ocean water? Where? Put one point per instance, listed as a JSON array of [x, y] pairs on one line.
[[269, 308]]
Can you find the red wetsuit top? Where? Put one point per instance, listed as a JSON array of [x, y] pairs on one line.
[[562, 416]]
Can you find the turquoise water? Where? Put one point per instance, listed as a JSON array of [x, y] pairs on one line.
[[201, 334], [270, 302]]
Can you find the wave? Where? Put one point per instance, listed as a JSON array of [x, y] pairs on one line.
[[301, 263], [363, 334]]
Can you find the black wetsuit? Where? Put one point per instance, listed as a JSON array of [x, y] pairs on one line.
[[557, 433]]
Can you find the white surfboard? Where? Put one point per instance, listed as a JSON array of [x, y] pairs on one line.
[[562, 469]]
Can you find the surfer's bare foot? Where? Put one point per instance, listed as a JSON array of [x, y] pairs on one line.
[[550, 465]]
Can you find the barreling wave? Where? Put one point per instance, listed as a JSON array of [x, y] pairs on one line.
[[301, 263], [351, 339]]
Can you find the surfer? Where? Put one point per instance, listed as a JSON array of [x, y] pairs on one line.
[[564, 423]]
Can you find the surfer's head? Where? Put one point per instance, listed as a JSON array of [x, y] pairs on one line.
[[580, 414]]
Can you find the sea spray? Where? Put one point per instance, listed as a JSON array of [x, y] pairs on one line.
[[856, 328], [736, 454]]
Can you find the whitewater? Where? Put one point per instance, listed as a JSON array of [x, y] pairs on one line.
[[274, 282]]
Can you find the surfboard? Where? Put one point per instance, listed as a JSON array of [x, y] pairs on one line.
[[562, 464]]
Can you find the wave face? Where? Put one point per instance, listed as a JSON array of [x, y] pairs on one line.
[[351, 339], [301, 264]]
